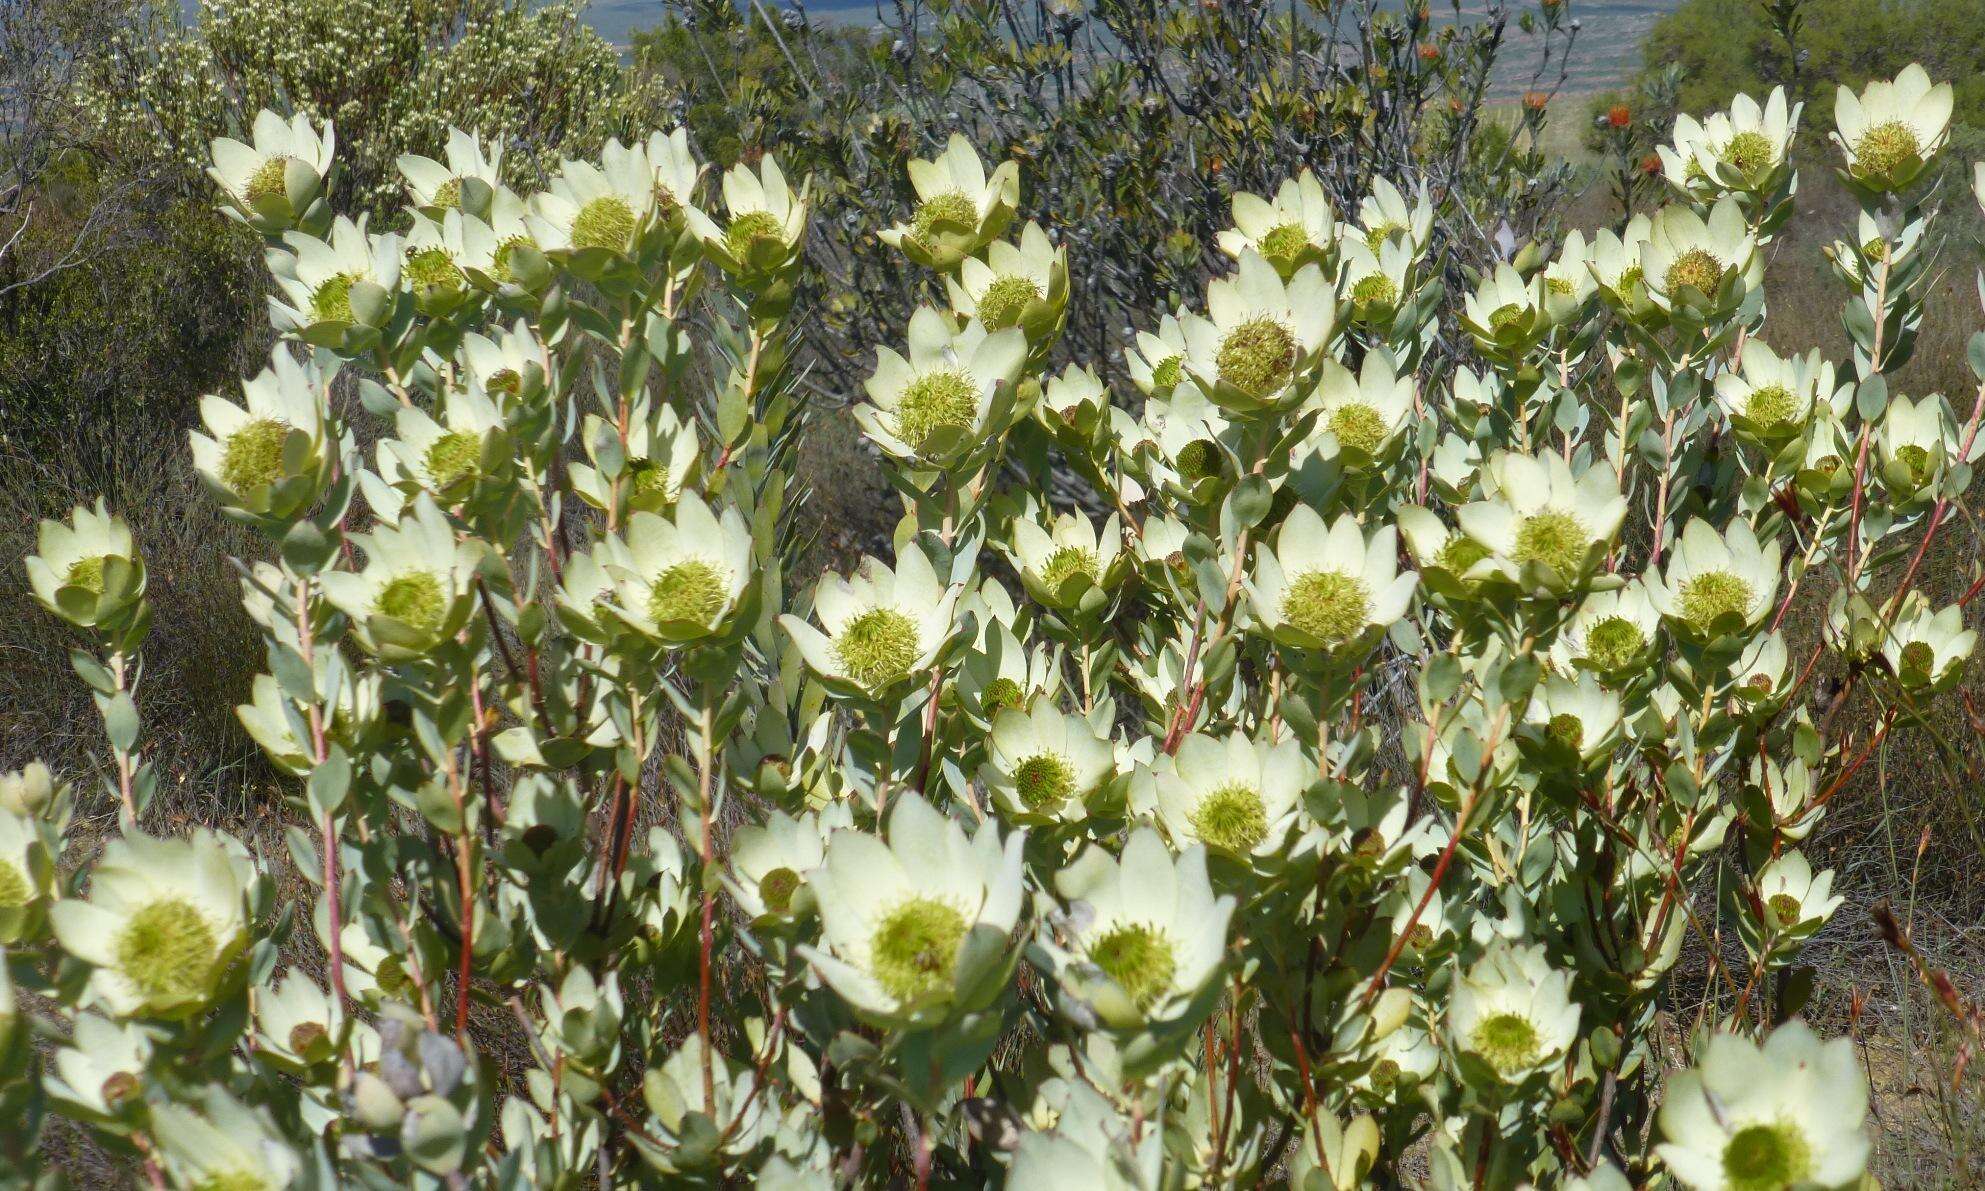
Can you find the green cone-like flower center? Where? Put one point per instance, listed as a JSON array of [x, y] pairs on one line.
[[751, 229], [935, 401], [253, 456], [1886, 148], [1005, 299], [454, 456], [878, 647], [1614, 643], [1916, 458], [15, 888], [1285, 243], [305, 1035], [505, 381], [1771, 405], [1257, 357], [1374, 289], [605, 222], [120, 1087], [1508, 1042], [1629, 278], [1328, 605], [1199, 460], [1508, 315], [1712, 596], [1553, 538], [430, 269], [1375, 235], [1785, 910], [650, 477], [1875, 250], [951, 210], [1568, 730], [1358, 427], [1000, 693], [499, 263], [1766, 1158], [1232, 817], [691, 590], [1044, 781], [1561, 286], [776, 889], [1695, 269], [268, 180], [1750, 152], [1460, 553], [233, 1180], [448, 194], [332, 303], [1919, 656], [86, 573], [1165, 374], [167, 950], [1066, 563], [1139, 958], [915, 948], [415, 599], [1385, 1073]]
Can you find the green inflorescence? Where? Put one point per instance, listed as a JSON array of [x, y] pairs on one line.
[[1044, 781], [332, 302], [1376, 234], [1750, 152], [15, 888], [1771, 405], [1630, 277], [1285, 243], [1066, 563], [1614, 643], [1257, 357], [1918, 656], [605, 222], [504, 381], [915, 948], [414, 599], [1232, 817], [1561, 286], [1508, 315], [1886, 148], [1140, 959], [1358, 427], [1916, 458], [650, 477], [1695, 270], [1785, 910], [431, 269], [253, 456], [449, 194], [1766, 1157], [86, 573], [1460, 553], [1553, 538], [776, 889], [951, 209], [1714, 596], [232, 1180], [691, 591], [1199, 460], [877, 648], [167, 950], [932, 402], [1331, 606], [270, 180], [1374, 289], [1001, 693], [1508, 1042], [499, 264], [1005, 300], [1568, 730], [751, 229], [454, 456], [305, 1035], [1166, 373]]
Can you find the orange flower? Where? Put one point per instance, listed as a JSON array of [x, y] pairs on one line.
[[1619, 115]]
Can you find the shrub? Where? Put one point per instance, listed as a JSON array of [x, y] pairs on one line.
[[1343, 796]]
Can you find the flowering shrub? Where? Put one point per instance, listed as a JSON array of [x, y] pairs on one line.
[[1326, 793]]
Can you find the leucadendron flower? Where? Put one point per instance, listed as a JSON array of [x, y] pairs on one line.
[[1024, 285], [1702, 267], [1769, 399], [335, 293], [1374, 282], [1365, 413], [1612, 634], [1329, 588], [1512, 1015], [1043, 765], [499, 253], [1546, 528], [1927, 651], [1186, 454], [595, 216], [1891, 130], [433, 270], [87, 570], [769, 862], [27, 877], [878, 627], [466, 183], [1260, 335], [950, 396], [1716, 585], [1614, 260], [1506, 314], [162, 924], [1793, 903], [1156, 361], [1143, 940], [1790, 1113], [297, 1024], [767, 222], [1238, 796], [217, 1142], [449, 456], [919, 927], [657, 460], [1063, 562], [102, 1073], [281, 181], [1572, 722], [1298, 227], [270, 456], [1743, 149], [1917, 441], [416, 590], [679, 579], [706, 1112], [1386, 215], [959, 208]]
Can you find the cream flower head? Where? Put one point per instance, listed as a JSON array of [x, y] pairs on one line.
[[1260, 336], [1239, 796], [1547, 527], [1769, 399], [1329, 588], [1717, 584], [960, 209], [1700, 265], [1513, 1013], [678, 579], [767, 221], [334, 290], [1044, 764], [1298, 227], [1893, 128], [1743, 149], [1365, 413], [417, 588], [1023, 285], [467, 183], [949, 397], [268, 456], [878, 627], [280, 181]]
